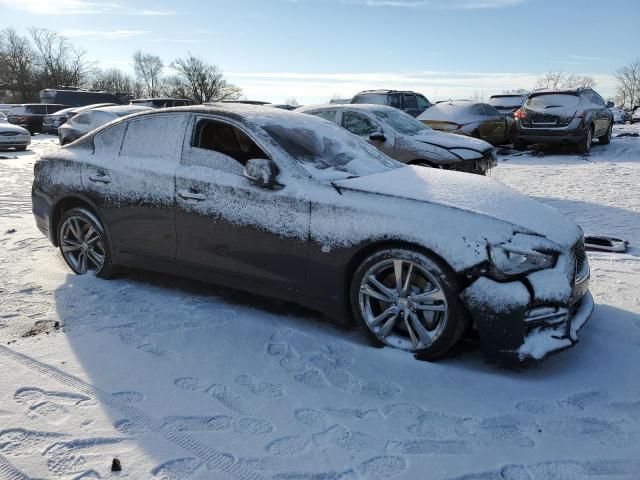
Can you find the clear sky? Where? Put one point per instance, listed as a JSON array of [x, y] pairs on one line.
[[315, 49]]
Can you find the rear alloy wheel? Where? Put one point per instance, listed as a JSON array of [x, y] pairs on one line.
[[406, 300], [584, 146], [606, 138], [83, 243]]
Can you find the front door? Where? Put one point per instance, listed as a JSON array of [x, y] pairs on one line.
[[228, 225], [362, 125]]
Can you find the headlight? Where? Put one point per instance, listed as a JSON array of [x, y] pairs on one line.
[[511, 261]]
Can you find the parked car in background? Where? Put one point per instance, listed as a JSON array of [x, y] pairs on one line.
[[30, 115], [51, 122], [13, 136], [76, 97], [284, 106], [479, 120], [3, 118], [567, 117], [5, 107], [289, 205], [403, 138], [89, 120], [635, 116], [410, 102], [162, 102], [620, 115], [507, 104]]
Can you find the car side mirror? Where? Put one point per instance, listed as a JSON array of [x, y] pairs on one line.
[[377, 137], [610, 104], [261, 172]]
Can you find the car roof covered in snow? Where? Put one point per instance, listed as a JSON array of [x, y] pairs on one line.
[[459, 111], [345, 106], [121, 110]]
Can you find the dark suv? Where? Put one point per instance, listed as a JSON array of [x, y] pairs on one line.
[[411, 102], [30, 115], [572, 117]]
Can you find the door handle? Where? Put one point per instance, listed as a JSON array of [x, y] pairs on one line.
[[187, 195], [100, 178]]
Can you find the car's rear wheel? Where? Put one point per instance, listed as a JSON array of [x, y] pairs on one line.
[[407, 300], [606, 138], [84, 244], [21, 149], [585, 143]]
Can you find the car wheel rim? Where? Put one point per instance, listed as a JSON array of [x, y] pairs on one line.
[[403, 304], [82, 245]]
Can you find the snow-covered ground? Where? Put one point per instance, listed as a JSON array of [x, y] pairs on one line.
[[182, 380]]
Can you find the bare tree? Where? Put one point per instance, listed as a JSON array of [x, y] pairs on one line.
[[18, 69], [62, 64], [555, 80], [628, 88], [200, 81], [291, 101], [148, 69], [113, 80], [516, 91]]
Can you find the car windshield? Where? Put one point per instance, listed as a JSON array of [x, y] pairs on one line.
[[401, 122], [553, 100], [506, 102], [328, 152], [375, 98]]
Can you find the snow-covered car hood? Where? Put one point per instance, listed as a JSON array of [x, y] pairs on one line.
[[472, 193], [8, 127], [450, 140]]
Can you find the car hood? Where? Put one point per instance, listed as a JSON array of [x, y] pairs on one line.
[[472, 193], [8, 127], [450, 140]]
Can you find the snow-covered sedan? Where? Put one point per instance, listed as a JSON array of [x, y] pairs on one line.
[[293, 206], [403, 138], [13, 136]]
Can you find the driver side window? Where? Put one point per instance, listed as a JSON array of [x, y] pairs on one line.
[[227, 140], [358, 124]]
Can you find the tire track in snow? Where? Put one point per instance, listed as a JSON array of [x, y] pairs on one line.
[[9, 472], [213, 458]]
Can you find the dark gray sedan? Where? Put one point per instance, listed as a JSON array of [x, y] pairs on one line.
[[293, 206]]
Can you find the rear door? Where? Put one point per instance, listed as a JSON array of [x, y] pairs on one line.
[[230, 226], [131, 178], [410, 104]]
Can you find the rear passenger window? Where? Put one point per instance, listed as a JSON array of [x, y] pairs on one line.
[[154, 136], [226, 139], [82, 119], [410, 101], [423, 103], [358, 124], [110, 140], [394, 100]]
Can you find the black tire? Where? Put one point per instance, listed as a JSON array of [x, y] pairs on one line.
[[452, 325], [21, 149], [606, 138], [584, 146], [519, 144], [107, 269]]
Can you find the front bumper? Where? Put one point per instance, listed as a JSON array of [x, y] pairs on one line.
[[15, 141], [532, 316]]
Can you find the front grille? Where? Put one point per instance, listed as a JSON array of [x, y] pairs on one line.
[[582, 265]]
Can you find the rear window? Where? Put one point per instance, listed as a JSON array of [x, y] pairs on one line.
[[506, 102], [375, 98], [491, 112], [551, 100], [17, 110]]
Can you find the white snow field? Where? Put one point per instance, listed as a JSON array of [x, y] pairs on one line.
[[183, 380]]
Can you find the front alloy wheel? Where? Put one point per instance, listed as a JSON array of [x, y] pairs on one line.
[[405, 300]]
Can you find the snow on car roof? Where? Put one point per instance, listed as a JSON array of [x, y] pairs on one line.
[[122, 110], [351, 106]]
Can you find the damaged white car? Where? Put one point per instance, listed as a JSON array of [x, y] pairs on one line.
[[293, 206]]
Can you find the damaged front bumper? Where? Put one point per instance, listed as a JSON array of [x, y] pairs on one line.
[[533, 316]]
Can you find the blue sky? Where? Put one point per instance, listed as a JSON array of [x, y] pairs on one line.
[[315, 49]]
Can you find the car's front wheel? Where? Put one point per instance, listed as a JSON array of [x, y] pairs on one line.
[[407, 300], [606, 138], [83, 243]]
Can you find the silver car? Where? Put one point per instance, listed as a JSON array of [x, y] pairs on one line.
[[13, 136], [89, 120], [407, 140]]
